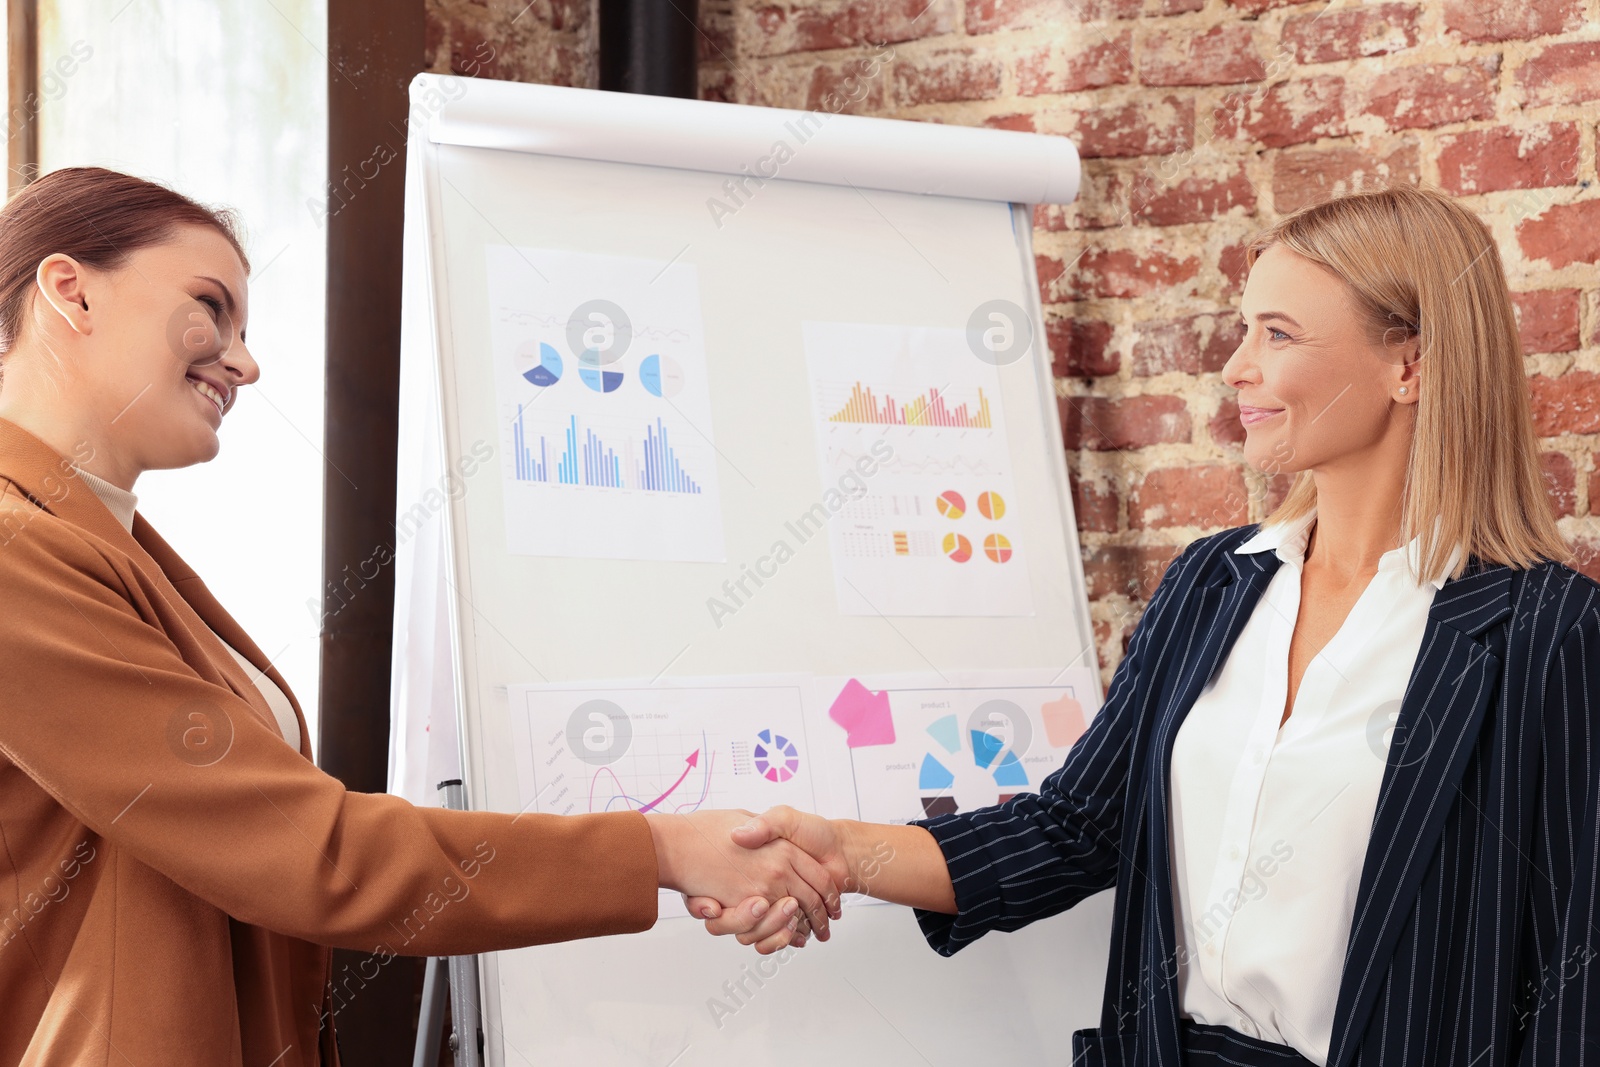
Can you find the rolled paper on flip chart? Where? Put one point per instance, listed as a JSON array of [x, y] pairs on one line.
[[864, 715]]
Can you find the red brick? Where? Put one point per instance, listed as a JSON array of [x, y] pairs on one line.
[[987, 16], [1585, 558], [1126, 570], [1062, 68], [1547, 319], [1289, 112], [1142, 128], [1193, 199], [1567, 73], [1567, 404], [1504, 20], [1225, 428], [1256, 7], [1081, 347], [1431, 94], [946, 76], [1179, 7], [779, 28], [1565, 233], [1594, 484], [1222, 55], [1049, 270], [1560, 481], [1018, 121], [1233, 268], [1328, 35], [1505, 157], [1111, 424], [1094, 505], [1103, 196], [1209, 497], [1305, 176], [1124, 272], [846, 88], [1197, 344]]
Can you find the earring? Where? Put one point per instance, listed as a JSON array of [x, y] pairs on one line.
[[1402, 389]]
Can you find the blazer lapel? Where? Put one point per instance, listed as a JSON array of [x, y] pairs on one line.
[[49, 479], [1451, 685], [1224, 601], [210, 612]]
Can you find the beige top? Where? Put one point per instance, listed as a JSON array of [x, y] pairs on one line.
[[121, 503]]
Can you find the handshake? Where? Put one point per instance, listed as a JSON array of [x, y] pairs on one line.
[[774, 879]]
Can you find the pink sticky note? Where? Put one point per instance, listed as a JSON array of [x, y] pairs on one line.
[[1063, 721], [864, 715]]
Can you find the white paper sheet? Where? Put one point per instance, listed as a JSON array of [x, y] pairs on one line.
[[931, 521], [605, 413]]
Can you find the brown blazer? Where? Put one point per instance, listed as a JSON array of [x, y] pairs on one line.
[[172, 873]]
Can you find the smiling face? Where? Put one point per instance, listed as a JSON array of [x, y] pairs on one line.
[[153, 352], [1316, 390]]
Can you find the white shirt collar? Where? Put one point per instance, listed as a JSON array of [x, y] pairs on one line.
[[1288, 540]]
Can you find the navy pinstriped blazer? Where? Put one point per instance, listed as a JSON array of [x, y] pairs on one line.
[[1477, 919]]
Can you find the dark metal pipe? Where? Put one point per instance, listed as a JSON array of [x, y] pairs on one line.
[[650, 46]]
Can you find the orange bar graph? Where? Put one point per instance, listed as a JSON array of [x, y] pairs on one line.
[[926, 410]]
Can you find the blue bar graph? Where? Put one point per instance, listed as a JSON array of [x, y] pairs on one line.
[[590, 461], [660, 469], [528, 468]]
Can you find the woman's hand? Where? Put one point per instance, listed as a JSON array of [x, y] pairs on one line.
[[700, 855], [770, 929]]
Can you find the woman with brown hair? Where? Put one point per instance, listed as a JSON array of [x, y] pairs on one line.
[[173, 867], [1346, 781]]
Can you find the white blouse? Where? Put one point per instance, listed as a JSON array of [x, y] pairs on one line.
[[122, 503], [1270, 825]]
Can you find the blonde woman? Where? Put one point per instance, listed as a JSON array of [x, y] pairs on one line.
[[173, 867], [1346, 781]]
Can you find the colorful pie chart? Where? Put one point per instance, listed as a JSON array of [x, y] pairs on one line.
[[957, 547], [951, 505], [997, 547], [991, 505], [539, 364]]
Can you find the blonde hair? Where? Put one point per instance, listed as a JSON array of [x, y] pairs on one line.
[[1421, 265]]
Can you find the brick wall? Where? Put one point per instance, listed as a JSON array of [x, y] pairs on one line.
[[1200, 121]]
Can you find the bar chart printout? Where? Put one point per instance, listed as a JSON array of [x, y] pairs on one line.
[[936, 529], [606, 436]]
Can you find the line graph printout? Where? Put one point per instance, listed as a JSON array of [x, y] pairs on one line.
[[605, 412], [917, 419], [662, 748]]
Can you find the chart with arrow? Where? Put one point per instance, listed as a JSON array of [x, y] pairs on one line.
[[666, 749]]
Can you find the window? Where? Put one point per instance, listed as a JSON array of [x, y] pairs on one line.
[[227, 103]]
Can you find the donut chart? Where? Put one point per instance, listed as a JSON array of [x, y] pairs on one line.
[[775, 757], [937, 776]]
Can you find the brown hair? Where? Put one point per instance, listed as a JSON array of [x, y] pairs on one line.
[[97, 217], [1421, 265]]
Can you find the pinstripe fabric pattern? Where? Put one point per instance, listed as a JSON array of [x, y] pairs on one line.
[[1477, 920]]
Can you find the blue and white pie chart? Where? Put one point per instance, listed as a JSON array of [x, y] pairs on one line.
[[539, 364], [596, 377], [661, 375]]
